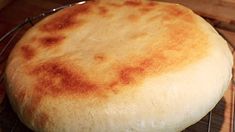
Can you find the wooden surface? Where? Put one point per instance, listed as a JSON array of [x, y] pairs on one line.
[[219, 9], [16, 11]]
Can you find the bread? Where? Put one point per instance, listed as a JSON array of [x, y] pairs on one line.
[[118, 66]]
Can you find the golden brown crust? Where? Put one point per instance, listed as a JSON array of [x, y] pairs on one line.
[[100, 50], [66, 19], [57, 78], [27, 52]]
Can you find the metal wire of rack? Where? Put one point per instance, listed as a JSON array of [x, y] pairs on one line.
[[8, 37]]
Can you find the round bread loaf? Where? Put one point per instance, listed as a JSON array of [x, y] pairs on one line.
[[118, 66]]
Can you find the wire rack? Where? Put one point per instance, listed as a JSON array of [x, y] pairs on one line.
[[8, 40]]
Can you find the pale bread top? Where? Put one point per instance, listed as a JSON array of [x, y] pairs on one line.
[[118, 66]]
